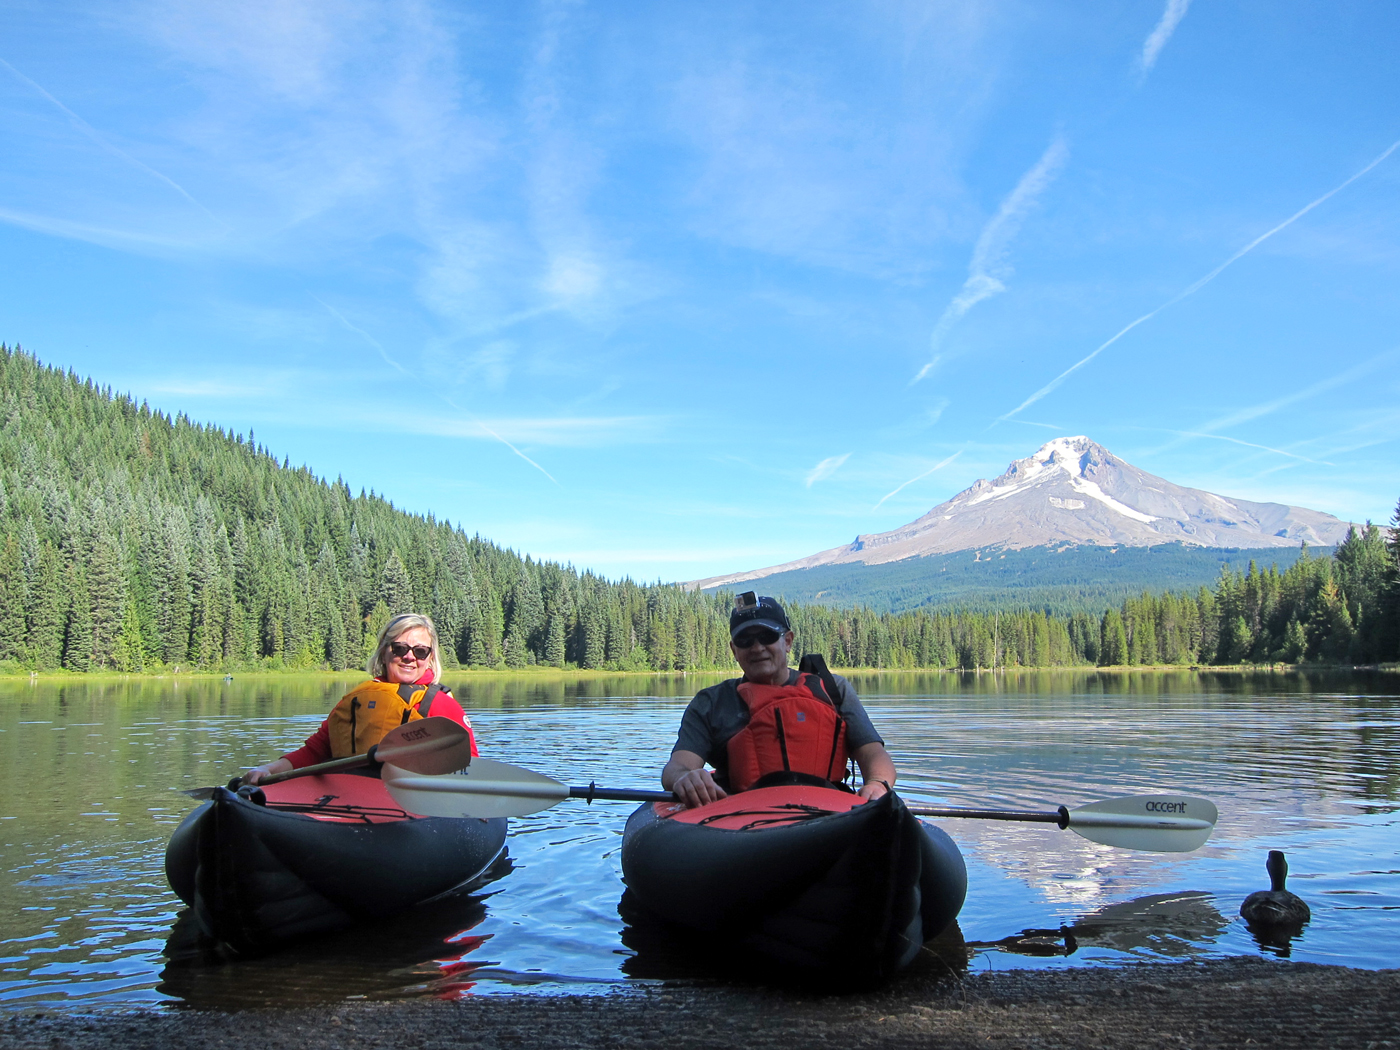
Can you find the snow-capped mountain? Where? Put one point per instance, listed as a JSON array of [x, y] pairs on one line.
[[1073, 491]]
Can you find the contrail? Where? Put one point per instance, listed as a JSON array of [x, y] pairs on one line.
[[1246, 444], [925, 474], [96, 136], [1157, 39], [498, 437], [363, 334], [1246, 415], [451, 404], [988, 268], [1193, 288]]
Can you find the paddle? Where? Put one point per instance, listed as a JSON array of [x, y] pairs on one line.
[[426, 745], [1156, 823]]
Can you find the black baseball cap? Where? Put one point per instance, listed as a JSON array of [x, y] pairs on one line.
[[755, 610]]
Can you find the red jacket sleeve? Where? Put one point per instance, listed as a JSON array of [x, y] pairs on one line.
[[316, 749], [446, 707]]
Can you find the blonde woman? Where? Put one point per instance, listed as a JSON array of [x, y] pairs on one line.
[[405, 669]]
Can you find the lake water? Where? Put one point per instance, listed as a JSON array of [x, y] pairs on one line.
[[1309, 764]]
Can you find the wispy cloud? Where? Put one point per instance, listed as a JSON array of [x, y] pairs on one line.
[[475, 425], [1157, 39], [99, 139], [216, 388], [989, 269], [1246, 415], [1191, 289], [826, 468], [557, 431], [936, 467], [122, 240]]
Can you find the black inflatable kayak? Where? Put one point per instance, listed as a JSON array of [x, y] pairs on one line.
[[319, 854], [809, 879]]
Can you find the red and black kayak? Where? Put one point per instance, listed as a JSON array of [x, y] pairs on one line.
[[315, 854], [811, 880]]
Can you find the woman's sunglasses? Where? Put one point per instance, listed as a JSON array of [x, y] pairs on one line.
[[763, 637], [402, 649]]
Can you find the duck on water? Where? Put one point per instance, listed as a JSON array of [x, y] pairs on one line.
[[1275, 907]]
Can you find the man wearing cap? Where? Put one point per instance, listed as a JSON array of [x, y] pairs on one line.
[[760, 639]]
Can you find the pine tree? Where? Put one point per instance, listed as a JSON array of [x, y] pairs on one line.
[[1362, 563], [107, 589], [395, 588], [13, 601], [554, 642], [77, 638], [128, 653], [48, 611], [1113, 640], [1295, 642]]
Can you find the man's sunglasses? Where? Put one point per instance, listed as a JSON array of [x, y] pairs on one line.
[[762, 637], [402, 649]]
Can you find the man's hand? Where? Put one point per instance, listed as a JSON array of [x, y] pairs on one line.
[[876, 769], [696, 787], [873, 789], [687, 776]]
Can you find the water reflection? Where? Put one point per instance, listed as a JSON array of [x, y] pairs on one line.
[[1300, 762], [1168, 925], [662, 951], [430, 950], [1276, 939]]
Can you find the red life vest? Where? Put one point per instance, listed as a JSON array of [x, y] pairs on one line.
[[792, 728]]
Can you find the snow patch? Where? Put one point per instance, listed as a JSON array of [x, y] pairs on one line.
[[1092, 490]]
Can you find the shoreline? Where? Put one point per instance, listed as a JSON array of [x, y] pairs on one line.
[[589, 674], [1239, 1001]]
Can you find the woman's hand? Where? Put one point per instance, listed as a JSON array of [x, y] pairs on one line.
[[280, 765]]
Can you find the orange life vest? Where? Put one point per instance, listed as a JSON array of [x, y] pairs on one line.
[[792, 728], [373, 708]]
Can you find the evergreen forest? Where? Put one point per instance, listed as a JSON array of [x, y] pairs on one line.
[[135, 541]]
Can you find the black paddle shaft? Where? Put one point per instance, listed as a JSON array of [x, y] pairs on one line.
[[592, 791], [1060, 817]]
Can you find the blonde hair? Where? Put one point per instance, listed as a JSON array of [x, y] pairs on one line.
[[391, 631]]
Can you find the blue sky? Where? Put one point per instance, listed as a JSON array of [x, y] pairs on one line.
[[679, 289]]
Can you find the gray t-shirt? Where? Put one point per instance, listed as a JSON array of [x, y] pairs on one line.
[[717, 713]]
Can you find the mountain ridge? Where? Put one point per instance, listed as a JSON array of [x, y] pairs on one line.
[[1073, 492]]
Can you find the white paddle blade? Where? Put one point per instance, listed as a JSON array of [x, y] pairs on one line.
[[427, 745], [1155, 823], [483, 789]]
